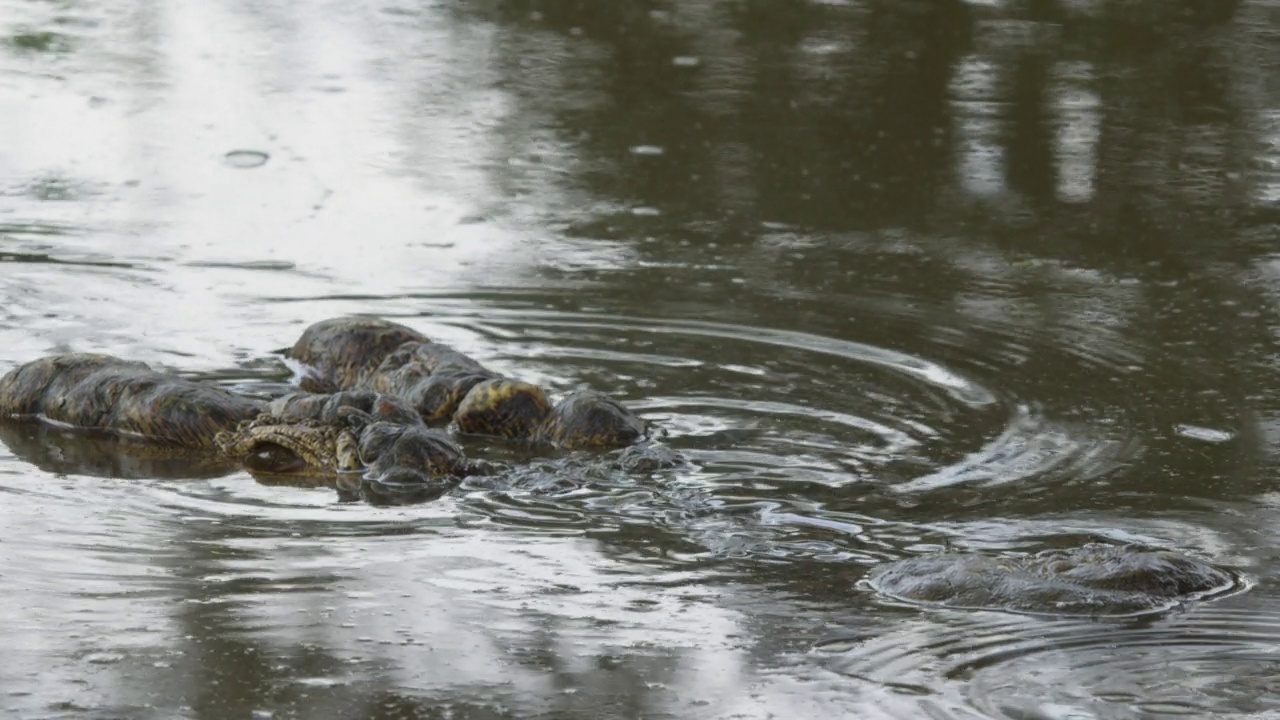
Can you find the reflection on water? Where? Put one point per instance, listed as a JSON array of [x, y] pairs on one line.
[[893, 278]]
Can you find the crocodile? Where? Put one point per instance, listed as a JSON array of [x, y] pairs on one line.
[[373, 396], [376, 446], [1094, 579], [370, 444], [446, 386], [370, 391]]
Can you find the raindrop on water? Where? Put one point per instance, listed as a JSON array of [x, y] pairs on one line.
[[103, 658], [245, 159], [1196, 432]]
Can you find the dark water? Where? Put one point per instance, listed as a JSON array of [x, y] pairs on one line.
[[893, 276]]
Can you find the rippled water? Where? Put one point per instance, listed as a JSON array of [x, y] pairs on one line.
[[892, 278]]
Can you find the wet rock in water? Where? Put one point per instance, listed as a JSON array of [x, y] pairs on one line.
[[1094, 579]]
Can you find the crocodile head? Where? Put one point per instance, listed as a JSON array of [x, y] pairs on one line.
[[373, 446], [271, 445]]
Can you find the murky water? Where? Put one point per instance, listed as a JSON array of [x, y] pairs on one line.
[[893, 277]]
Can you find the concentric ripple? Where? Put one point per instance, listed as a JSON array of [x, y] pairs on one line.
[[805, 455], [769, 424], [1091, 580], [1216, 661], [804, 459], [874, 403]]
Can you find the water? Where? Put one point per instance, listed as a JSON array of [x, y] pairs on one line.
[[893, 277]]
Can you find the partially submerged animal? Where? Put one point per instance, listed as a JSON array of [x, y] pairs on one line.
[[443, 385], [357, 438], [371, 389], [1094, 579], [372, 443]]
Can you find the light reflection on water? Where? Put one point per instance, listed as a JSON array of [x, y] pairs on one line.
[[891, 281]]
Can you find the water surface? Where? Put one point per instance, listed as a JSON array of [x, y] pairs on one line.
[[892, 277]]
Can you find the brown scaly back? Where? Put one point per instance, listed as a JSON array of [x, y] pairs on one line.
[[179, 411], [341, 353], [426, 358], [431, 377], [328, 408], [503, 407], [105, 393], [587, 419], [28, 388]]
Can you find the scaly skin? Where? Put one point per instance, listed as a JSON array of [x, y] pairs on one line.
[[503, 408], [386, 375], [588, 419], [443, 384], [431, 377], [350, 433], [519, 410], [360, 353], [271, 446], [341, 353], [329, 408], [100, 392], [378, 460], [396, 454]]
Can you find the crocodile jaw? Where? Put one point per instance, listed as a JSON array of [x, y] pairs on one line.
[[268, 445]]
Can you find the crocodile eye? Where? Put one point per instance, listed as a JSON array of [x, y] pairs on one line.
[[269, 457]]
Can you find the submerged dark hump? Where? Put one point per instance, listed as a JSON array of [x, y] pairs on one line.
[[503, 407], [437, 398], [1158, 573], [408, 451], [1093, 579], [26, 389], [341, 353], [588, 419]]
